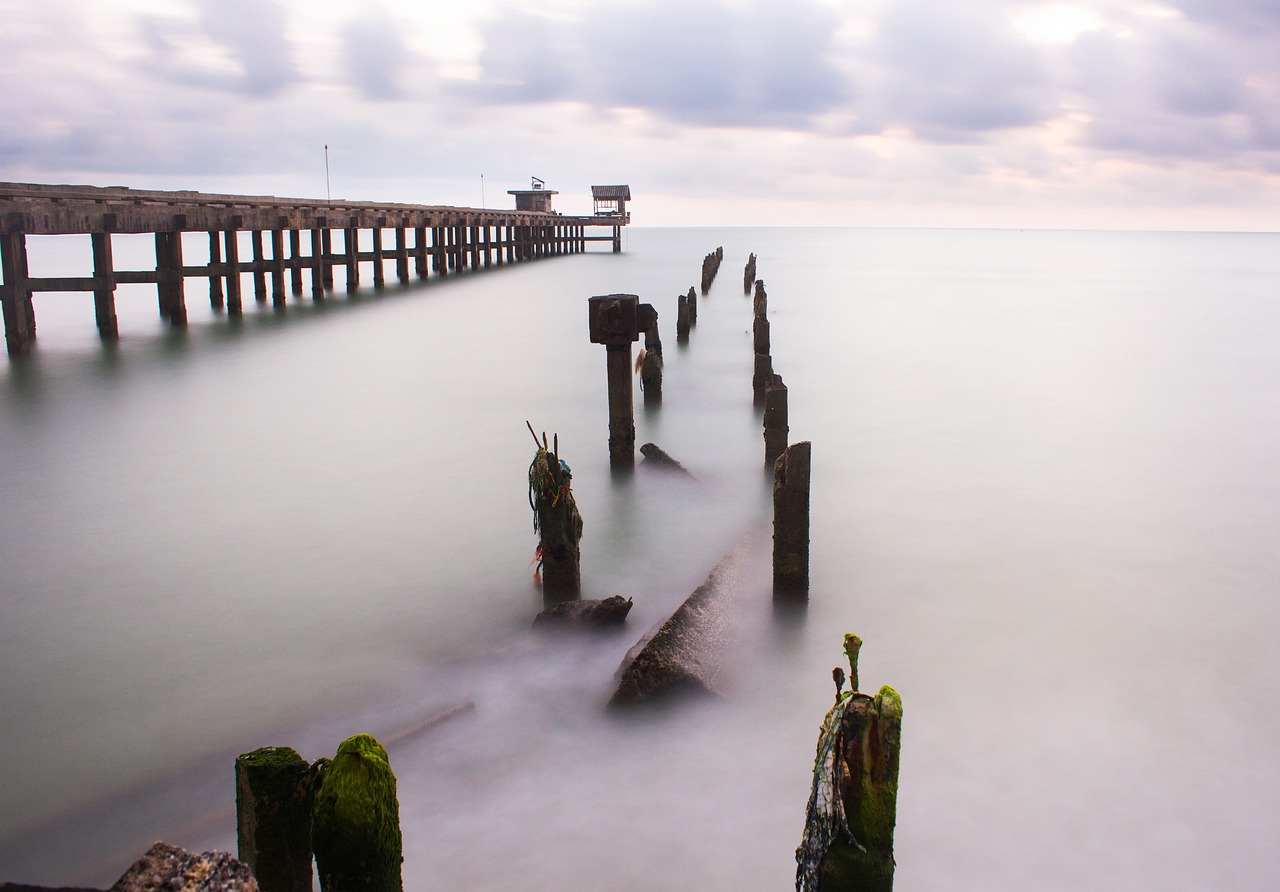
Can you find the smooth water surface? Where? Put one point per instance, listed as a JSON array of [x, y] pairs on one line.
[[1044, 493]]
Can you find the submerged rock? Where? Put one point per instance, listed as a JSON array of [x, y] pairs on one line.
[[166, 868], [656, 457], [611, 611]]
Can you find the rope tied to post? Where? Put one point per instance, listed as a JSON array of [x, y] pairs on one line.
[[825, 819]]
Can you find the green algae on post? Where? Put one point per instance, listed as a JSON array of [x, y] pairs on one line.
[[273, 818], [355, 825], [848, 837]]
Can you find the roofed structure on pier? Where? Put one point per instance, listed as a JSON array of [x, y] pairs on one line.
[[611, 201], [535, 198]]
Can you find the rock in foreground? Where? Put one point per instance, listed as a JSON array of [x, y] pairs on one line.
[[166, 868], [609, 612]]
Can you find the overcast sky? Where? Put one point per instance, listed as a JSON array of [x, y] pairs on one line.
[[755, 112]]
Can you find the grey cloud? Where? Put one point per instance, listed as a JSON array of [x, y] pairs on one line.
[[374, 55], [953, 73], [700, 61]]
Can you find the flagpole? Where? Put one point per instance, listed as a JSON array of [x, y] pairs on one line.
[[327, 191]]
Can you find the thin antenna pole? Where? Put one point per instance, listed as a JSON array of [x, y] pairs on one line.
[[482, 192], [327, 191]]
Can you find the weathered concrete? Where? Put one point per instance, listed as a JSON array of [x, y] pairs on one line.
[[656, 457], [616, 320], [166, 868], [273, 817], [791, 523], [689, 653], [609, 612]]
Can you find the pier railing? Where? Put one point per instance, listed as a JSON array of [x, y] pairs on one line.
[[444, 240]]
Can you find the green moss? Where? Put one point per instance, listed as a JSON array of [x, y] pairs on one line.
[[355, 828]]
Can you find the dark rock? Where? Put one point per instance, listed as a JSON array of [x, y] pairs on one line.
[[611, 611], [166, 868], [655, 456], [23, 887]]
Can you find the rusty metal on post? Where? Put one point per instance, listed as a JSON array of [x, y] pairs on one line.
[[791, 523]]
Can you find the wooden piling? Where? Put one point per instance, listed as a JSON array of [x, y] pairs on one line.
[[274, 796], [104, 292], [231, 241], [693, 308], [847, 844], [295, 256], [760, 303], [749, 274], [651, 368], [327, 256], [19, 313], [169, 281], [355, 822], [217, 299], [420, 251], [277, 268], [351, 242], [682, 319], [317, 265], [558, 523], [259, 271], [379, 273], [760, 334], [761, 378], [402, 257], [791, 523], [775, 420]]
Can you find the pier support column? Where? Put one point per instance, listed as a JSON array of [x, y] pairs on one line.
[[259, 272], [420, 251], [231, 239], [791, 524], [216, 297], [317, 264], [617, 239], [169, 281], [402, 256], [775, 420], [104, 294], [295, 261], [19, 313], [616, 320], [379, 274], [760, 379], [475, 247], [277, 268], [351, 241], [327, 258]]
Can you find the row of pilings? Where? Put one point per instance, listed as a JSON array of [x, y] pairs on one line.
[[283, 245]]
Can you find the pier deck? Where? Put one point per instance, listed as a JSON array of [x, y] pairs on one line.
[[445, 240]]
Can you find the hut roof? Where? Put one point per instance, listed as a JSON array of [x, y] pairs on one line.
[[611, 192]]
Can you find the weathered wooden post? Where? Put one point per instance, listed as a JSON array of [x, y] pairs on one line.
[[169, 282], [749, 275], [791, 524], [760, 334], [295, 261], [711, 266], [651, 368], [402, 256], [231, 240], [557, 522], [420, 251], [326, 241], [274, 796], [379, 273], [19, 313], [355, 823], [847, 845], [775, 420], [693, 308], [760, 302], [616, 320], [104, 292], [763, 373], [277, 265], [761, 378], [217, 299], [682, 319], [317, 265], [351, 243], [259, 268]]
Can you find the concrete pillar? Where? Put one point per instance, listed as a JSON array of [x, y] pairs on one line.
[[327, 257], [274, 795], [775, 420], [791, 524], [616, 320], [259, 271], [169, 280], [402, 256], [216, 297], [420, 251], [104, 295]]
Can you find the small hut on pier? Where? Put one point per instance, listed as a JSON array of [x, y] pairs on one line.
[[611, 201], [536, 198]]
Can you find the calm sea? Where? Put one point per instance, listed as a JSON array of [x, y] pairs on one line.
[[1045, 494]]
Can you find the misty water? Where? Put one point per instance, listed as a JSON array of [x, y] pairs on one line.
[[1044, 492]]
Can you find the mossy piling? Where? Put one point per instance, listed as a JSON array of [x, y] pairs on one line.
[[273, 817]]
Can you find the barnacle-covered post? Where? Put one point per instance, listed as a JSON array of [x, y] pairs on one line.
[[616, 320], [355, 822], [847, 844], [557, 522], [273, 817]]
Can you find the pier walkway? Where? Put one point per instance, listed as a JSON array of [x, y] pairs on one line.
[[444, 240]]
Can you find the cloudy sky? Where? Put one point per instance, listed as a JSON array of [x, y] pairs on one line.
[[825, 112]]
